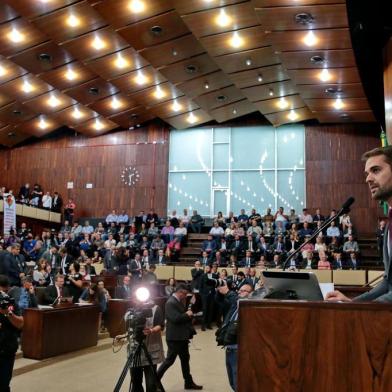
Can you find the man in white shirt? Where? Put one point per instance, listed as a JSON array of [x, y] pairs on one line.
[[47, 201], [112, 217]]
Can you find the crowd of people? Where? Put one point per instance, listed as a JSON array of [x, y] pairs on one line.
[[267, 241]]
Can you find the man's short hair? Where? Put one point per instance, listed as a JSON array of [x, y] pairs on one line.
[[26, 279], [15, 246], [4, 281], [183, 287], [386, 151], [59, 276]]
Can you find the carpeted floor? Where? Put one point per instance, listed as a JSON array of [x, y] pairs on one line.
[[98, 371]]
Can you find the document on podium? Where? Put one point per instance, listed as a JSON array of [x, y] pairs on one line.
[[326, 288]]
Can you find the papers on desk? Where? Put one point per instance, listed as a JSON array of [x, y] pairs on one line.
[[45, 307], [326, 288]]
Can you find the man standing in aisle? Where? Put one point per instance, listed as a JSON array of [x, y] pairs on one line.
[[179, 331], [378, 172]]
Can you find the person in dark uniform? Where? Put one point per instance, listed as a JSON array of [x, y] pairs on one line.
[[179, 331], [11, 322]]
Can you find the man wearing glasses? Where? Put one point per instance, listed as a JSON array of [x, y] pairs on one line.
[[229, 331]]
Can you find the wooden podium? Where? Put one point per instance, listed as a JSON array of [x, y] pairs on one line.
[[296, 346]]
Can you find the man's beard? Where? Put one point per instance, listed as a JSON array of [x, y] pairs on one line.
[[383, 194]]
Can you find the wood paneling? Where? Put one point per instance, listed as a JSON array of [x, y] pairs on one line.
[[337, 75], [10, 137], [233, 110], [270, 90], [334, 170], [199, 116], [328, 104], [280, 118], [165, 110], [275, 105], [99, 161], [347, 90], [7, 13], [32, 9], [388, 88], [356, 116], [9, 70], [219, 98], [189, 6], [288, 3]]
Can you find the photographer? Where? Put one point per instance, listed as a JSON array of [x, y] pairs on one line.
[[179, 331], [152, 330], [10, 324], [227, 335]]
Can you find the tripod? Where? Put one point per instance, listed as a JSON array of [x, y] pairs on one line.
[[134, 360]]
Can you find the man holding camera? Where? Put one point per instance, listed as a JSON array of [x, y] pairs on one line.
[[179, 331], [227, 334], [10, 324]]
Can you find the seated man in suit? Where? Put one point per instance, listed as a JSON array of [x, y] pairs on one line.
[[236, 247], [54, 293], [353, 262], [338, 262], [248, 260], [161, 259], [204, 259], [251, 246], [209, 245], [124, 291], [24, 296]]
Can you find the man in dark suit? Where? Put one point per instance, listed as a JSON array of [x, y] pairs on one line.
[[136, 267], [207, 294], [178, 332], [248, 260], [124, 291], [378, 171], [161, 259], [54, 293], [197, 273], [13, 265], [236, 247], [53, 258], [65, 261], [57, 202]]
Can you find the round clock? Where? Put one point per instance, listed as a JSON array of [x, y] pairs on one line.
[[130, 176]]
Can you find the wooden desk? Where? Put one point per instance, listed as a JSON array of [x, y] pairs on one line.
[[50, 332], [295, 346], [116, 310]]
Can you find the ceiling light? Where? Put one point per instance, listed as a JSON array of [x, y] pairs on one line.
[[73, 21], [77, 114], [98, 44], [3, 71], [236, 41], [16, 36], [116, 103], [98, 125], [324, 75], [176, 107], [223, 19], [120, 62], [248, 62], [191, 118], [310, 39], [137, 6], [140, 78], [53, 101], [338, 104], [206, 85], [271, 92], [42, 123], [159, 93], [71, 75], [259, 78], [234, 111], [292, 116], [27, 87], [283, 104], [174, 52]]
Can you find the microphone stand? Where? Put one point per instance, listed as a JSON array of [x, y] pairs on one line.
[[343, 210]]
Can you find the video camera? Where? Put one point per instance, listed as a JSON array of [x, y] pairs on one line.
[[6, 302], [212, 282]]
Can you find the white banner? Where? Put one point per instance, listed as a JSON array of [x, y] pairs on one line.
[[9, 213]]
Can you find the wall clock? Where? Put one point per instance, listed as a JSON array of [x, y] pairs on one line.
[[130, 176]]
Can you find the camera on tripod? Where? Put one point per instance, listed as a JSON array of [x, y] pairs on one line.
[[6, 302], [216, 282]]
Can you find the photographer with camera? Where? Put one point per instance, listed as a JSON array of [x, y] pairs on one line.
[[227, 334], [179, 331], [11, 322]]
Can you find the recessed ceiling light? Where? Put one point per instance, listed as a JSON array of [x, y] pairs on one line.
[[116, 103], [174, 52], [259, 78], [292, 116], [156, 30], [120, 62], [176, 107], [191, 68], [206, 85], [333, 90], [53, 101], [248, 62], [98, 125], [324, 75], [234, 111], [304, 18], [76, 113], [191, 119], [98, 43], [16, 36], [236, 41], [73, 21], [282, 103], [338, 104], [271, 92], [221, 98], [27, 87], [223, 19], [159, 93], [93, 90], [70, 74], [317, 59], [345, 116], [137, 6], [42, 124], [310, 39], [3, 71], [45, 57], [140, 78]]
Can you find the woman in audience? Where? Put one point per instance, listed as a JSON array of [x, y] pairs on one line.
[[320, 246], [293, 230], [170, 287], [323, 263], [181, 231], [334, 245], [142, 231], [152, 231], [221, 220], [185, 218], [223, 274], [100, 229], [83, 272], [167, 232], [173, 249], [74, 281], [41, 277], [229, 232]]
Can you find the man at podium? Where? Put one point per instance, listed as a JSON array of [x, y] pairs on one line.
[[378, 171]]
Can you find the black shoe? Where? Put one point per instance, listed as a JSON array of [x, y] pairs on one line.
[[193, 386], [209, 327], [203, 328]]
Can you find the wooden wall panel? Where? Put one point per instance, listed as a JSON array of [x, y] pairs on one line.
[[388, 88], [334, 171], [54, 162]]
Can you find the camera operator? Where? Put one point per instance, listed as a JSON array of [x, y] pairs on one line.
[[207, 294], [227, 334], [152, 330], [10, 324], [179, 331]]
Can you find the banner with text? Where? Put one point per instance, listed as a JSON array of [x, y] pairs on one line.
[[9, 214]]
